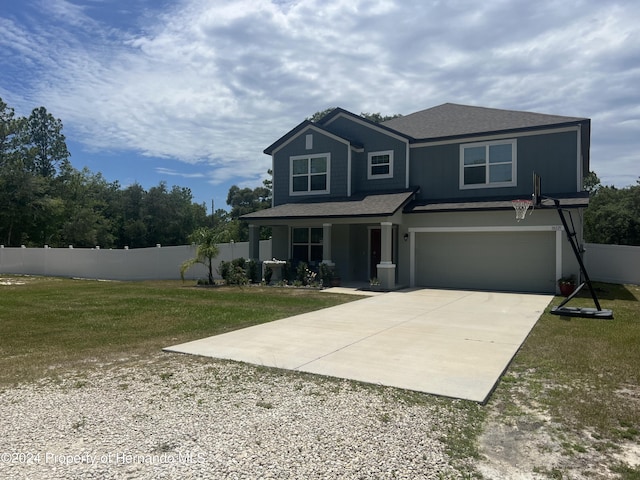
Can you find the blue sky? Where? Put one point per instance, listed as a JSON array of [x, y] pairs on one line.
[[191, 91]]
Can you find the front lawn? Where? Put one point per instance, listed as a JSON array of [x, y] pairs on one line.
[[53, 324], [578, 380], [569, 403]]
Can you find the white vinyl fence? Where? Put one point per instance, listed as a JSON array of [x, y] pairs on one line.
[[605, 263], [613, 263], [159, 263]]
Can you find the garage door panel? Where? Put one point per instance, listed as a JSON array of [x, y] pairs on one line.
[[514, 261]]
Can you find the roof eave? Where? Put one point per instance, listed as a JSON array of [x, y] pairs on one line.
[[578, 200]]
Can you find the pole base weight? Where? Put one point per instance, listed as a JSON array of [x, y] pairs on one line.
[[582, 312]]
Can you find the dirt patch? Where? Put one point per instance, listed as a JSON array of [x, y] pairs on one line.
[[529, 445]]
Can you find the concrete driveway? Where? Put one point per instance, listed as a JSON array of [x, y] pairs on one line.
[[444, 342]]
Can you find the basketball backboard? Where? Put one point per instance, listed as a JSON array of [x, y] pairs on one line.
[[537, 189]]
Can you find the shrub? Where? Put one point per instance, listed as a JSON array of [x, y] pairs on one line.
[[287, 272], [325, 273], [224, 269], [253, 272], [237, 276], [239, 262], [301, 272], [268, 273]]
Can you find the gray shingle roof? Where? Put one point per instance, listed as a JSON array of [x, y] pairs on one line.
[[451, 119], [577, 200], [373, 205]]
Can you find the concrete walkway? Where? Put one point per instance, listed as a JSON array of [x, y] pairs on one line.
[[445, 342]]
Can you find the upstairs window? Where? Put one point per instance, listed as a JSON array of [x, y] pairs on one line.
[[490, 164], [310, 174], [380, 165]]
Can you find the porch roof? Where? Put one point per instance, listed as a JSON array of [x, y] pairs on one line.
[[371, 205], [578, 200]]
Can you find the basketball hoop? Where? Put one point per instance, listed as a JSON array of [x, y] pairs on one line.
[[521, 207]]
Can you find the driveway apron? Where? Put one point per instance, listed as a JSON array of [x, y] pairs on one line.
[[444, 342]]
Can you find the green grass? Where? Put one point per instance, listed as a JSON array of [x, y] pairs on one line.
[[52, 324], [584, 373]]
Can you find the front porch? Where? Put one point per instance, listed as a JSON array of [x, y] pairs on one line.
[[357, 235], [358, 254]]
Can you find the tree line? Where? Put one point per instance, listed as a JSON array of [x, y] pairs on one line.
[[613, 216], [44, 200]]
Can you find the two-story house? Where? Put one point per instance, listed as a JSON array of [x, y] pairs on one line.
[[425, 199]]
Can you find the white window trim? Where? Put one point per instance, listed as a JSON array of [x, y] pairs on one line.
[[370, 175], [487, 184], [310, 192]]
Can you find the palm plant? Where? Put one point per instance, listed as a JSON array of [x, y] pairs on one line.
[[207, 240]]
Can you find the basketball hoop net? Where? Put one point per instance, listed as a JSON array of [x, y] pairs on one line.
[[521, 207]]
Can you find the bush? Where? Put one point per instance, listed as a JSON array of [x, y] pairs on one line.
[[325, 274], [239, 262], [224, 270], [253, 272], [301, 272], [237, 276], [287, 272], [235, 271], [268, 273]]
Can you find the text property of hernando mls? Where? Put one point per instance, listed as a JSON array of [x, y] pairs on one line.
[[111, 458]]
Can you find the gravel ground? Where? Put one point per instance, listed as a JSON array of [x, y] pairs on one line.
[[175, 416]]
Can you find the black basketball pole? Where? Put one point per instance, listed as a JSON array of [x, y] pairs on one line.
[[578, 312], [571, 235]]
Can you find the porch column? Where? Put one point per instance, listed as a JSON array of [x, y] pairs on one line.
[[326, 244], [412, 258], [254, 242], [386, 268]]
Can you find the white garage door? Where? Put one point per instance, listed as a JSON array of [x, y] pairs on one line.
[[504, 261]]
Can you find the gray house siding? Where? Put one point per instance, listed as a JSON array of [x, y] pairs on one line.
[[553, 157], [372, 140], [436, 169], [475, 242], [321, 144]]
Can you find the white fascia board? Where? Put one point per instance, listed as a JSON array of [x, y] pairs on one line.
[[502, 136], [317, 130]]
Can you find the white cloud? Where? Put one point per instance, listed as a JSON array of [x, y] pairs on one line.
[[174, 173], [214, 83]]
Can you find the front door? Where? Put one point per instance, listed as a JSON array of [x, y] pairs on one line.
[[375, 255]]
